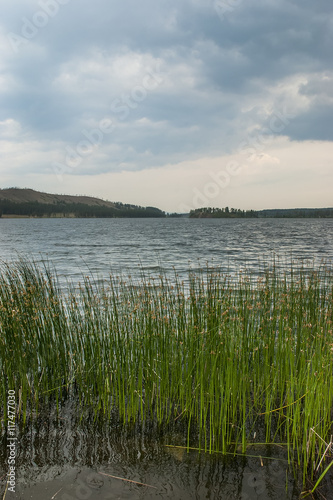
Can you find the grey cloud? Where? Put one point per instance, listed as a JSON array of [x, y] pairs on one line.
[[314, 124], [217, 73]]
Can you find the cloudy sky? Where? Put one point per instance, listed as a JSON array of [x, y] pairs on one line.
[[176, 104]]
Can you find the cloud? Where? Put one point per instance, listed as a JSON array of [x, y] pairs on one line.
[[9, 129], [179, 81]]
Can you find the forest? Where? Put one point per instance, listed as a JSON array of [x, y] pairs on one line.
[[62, 209], [232, 213]]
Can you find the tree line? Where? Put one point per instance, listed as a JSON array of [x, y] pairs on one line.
[[37, 209], [225, 213], [222, 213]]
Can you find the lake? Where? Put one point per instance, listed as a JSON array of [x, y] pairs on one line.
[[61, 458], [100, 246]]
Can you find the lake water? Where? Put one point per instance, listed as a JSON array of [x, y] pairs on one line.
[[99, 246], [58, 458]]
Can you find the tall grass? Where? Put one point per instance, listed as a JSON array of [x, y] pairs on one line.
[[231, 357]]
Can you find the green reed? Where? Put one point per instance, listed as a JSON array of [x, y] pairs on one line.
[[229, 355]]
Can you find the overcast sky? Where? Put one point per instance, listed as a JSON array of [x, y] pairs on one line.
[[176, 104]]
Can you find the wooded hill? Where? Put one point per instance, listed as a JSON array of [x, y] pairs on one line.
[[16, 202]]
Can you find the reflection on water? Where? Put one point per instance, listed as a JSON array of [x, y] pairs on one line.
[[77, 459]]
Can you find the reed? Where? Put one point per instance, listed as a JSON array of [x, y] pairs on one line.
[[228, 355]]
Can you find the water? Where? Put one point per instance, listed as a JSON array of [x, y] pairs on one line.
[[88, 461], [100, 246], [62, 459]]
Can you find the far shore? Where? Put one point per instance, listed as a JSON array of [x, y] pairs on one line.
[[53, 216]]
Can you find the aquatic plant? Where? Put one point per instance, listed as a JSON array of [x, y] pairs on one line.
[[231, 356]]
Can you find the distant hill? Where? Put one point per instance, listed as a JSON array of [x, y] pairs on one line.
[[16, 202], [17, 195]]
